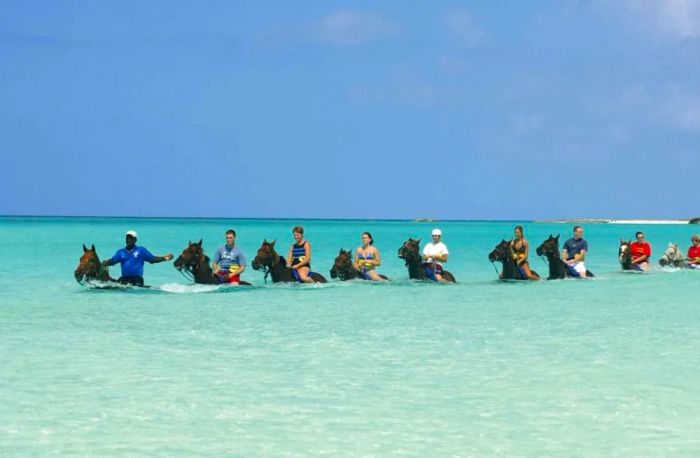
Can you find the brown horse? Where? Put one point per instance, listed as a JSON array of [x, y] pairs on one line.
[[90, 268], [275, 265], [344, 268], [196, 264], [511, 271], [558, 269], [417, 269], [624, 255]]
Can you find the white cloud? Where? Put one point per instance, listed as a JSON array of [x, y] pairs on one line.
[[684, 110], [352, 28], [677, 19], [460, 24]]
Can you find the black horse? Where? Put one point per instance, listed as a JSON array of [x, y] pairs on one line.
[[503, 254], [558, 269], [344, 269], [417, 269], [196, 263], [90, 268], [275, 265]]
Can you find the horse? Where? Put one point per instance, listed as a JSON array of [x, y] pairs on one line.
[[417, 269], [511, 271], [673, 257], [624, 255], [558, 269], [344, 268], [275, 265], [196, 264], [90, 268]]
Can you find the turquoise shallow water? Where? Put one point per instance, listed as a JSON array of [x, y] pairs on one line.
[[567, 368]]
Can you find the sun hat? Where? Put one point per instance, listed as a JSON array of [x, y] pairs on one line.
[[437, 232], [133, 234]]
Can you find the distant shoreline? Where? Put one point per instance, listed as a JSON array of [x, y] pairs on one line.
[[616, 221], [414, 220]]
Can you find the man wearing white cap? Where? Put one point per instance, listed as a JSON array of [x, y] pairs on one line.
[[132, 258], [434, 253]]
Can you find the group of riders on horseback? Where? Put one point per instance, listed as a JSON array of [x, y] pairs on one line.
[[229, 261]]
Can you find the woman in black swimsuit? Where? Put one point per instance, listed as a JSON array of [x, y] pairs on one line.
[[520, 249]]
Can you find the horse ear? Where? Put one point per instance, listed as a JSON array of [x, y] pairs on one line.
[[84, 248], [189, 242], [551, 236], [341, 251], [200, 242], [265, 241], [273, 243], [557, 237], [93, 247]]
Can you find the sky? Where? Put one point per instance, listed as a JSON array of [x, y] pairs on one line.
[[324, 109]]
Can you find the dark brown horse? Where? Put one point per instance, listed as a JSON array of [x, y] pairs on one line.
[[344, 268], [503, 254], [624, 255], [558, 269], [90, 268], [195, 262], [417, 269], [275, 265]]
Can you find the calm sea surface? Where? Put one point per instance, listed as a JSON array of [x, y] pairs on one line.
[[607, 367]]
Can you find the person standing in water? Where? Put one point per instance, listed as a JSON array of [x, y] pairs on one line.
[[367, 258], [132, 259]]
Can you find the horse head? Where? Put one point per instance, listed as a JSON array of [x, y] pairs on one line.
[[549, 247], [501, 252], [342, 265], [89, 264], [672, 255], [624, 254], [410, 251], [191, 256], [266, 256]]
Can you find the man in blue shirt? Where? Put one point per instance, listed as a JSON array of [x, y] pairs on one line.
[[229, 262], [574, 253], [132, 258]]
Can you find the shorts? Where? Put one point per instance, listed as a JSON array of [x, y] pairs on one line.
[[579, 267], [131, 280], [230, 279]]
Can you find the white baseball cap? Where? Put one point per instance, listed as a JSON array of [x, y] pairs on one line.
[[437, 232], [133, 234]]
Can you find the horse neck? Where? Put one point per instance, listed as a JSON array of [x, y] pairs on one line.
[[279, 270], [508, 268], [202, 270], [415, 268]]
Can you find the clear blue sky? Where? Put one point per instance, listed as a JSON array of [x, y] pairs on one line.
[[397, 109]]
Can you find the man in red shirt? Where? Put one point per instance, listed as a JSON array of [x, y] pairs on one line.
[[641, 252], [694, 252]]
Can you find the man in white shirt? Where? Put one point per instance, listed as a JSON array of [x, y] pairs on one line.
[[434, 253]]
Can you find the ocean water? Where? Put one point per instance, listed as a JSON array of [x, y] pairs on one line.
[[606, 367]]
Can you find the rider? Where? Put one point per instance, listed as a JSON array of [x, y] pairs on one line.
[[574, 253], [520, 249], [299, 258], [229, 261], [641, 252], [367, 258], [694, 251], [434, 253], [132, 258]]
